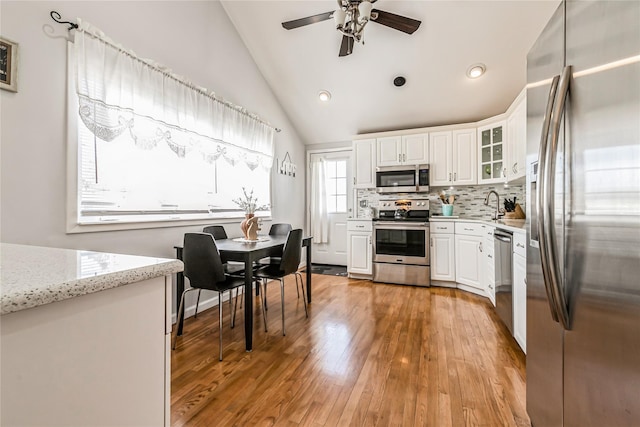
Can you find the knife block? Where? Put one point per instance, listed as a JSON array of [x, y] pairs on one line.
[[517, 214]]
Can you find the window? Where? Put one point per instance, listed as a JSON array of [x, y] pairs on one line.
[[153, 147], [336, 184]]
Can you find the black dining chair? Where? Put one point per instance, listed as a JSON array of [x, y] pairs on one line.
[[204, 269], [289, 264], [218, 232], [279, 229]]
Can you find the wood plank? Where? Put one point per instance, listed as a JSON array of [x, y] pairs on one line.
[[369, 354]]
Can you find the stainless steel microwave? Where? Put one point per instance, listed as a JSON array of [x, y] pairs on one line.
[[402, 179]]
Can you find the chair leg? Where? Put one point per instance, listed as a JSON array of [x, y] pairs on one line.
[[282, 302], [238, 293], [220, 310], [235, 306], [195, 315], [304, 298], [264, 293], [180, 314], [262, 305]]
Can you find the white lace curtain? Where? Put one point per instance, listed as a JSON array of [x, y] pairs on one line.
[[113, 87]]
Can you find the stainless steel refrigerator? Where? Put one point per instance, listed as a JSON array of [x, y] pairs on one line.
[[583, 217]]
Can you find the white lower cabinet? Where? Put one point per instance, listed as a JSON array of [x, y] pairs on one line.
[[489, 274], [443, 252], [520, 291], [469, 261], [94, 360], [359, 248], [470, 256]]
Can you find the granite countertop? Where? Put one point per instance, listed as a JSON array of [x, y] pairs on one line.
[[32, 275], [513, 225]]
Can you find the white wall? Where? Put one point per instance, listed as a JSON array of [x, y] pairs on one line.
[[194, 39]]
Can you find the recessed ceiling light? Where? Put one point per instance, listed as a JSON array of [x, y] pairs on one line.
[[476, 71], [324, 95]]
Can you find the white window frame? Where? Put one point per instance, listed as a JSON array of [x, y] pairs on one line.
[[74, 173]]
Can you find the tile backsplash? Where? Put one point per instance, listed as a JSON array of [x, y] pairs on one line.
[[469, 200]]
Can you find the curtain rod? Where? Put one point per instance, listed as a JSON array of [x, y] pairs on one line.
[[73, 26]]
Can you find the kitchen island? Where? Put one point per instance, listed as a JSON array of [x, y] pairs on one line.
[[84, 337]]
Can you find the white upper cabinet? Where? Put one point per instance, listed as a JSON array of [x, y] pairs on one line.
[[389, 151], [453, 157], [464, 157], [517, 138], [491, 153], [441, 154], [364, 163], [403, 150], [416, 149]]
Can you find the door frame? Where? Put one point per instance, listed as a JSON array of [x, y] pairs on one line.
[[307, 212]]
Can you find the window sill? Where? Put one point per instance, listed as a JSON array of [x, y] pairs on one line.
[[123, 224]]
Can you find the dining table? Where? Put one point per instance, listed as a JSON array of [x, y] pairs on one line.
[[247, 252]]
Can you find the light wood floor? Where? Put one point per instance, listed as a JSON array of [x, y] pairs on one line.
[[369, 355]]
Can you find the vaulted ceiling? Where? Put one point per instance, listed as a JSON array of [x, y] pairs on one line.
[[299, 63]]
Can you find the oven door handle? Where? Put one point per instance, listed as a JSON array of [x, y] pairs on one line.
[[401, 226]]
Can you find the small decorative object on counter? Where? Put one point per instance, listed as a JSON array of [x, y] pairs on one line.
[[513, 210], [249, 204], [447, 203]]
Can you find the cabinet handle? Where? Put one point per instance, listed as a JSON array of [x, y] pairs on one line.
[[455, 176], [449, 176], [359, 226], [489, 256], [468, 229], [480, 246], [518, 245], [369, 239], [399, 157], [354, 180], [404, 157], [431, 241]]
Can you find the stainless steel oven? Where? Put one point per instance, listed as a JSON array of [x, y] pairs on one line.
[[401, 243]]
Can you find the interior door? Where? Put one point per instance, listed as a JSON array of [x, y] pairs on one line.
[[337, 176]]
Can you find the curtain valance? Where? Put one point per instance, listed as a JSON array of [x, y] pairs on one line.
[[118, 93]]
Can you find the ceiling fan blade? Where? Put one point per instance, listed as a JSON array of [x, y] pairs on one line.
[[290, 25], [397, 22], [346, 48]]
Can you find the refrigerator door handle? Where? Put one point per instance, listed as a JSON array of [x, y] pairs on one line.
[[541, 221], [562, 308]]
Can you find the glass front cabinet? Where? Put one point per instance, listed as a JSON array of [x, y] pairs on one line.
[[491, 153]]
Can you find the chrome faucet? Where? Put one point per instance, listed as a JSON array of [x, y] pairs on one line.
[[497, 214]]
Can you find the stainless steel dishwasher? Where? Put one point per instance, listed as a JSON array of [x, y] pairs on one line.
[[503, 245]]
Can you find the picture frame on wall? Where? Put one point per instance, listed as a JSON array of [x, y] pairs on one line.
[[8, 65]]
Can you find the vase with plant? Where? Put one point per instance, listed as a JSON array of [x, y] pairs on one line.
[[249, 204]]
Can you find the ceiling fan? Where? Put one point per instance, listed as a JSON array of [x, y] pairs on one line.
[[351, 17]]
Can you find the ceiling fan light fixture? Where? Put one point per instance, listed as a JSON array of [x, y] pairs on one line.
[[324, 95], [476, 71], [339, 16], [364, 10]]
